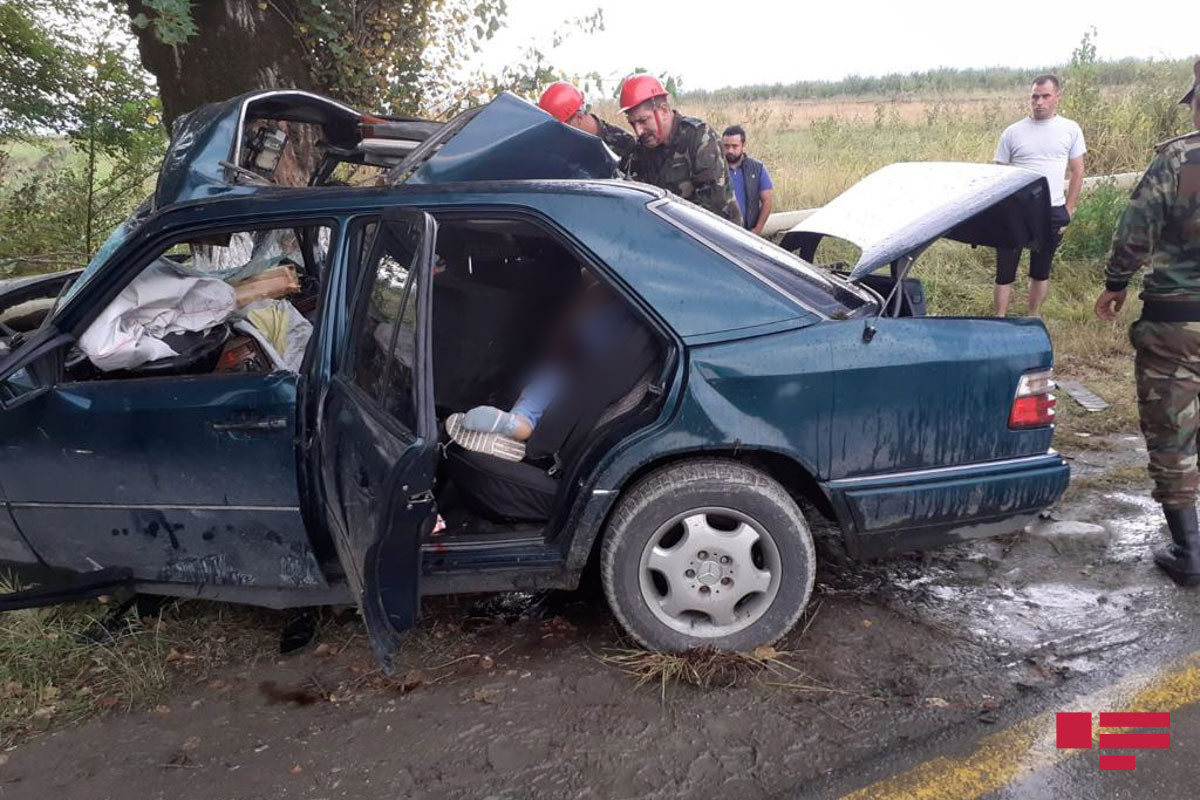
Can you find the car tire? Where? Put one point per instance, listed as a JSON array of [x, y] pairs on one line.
[[707, 554]]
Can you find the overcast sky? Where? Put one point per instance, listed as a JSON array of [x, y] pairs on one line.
[[711, 44]]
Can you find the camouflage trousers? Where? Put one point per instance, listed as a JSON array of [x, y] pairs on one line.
[[1168, 385]]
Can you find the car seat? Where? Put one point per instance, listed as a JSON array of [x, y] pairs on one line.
[[487, 323], [600, 390]]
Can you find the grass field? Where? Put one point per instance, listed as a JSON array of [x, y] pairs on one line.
[[25, 159]]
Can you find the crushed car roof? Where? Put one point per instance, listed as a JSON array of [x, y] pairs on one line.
[[507, 139], [899, 210], [206, 141]]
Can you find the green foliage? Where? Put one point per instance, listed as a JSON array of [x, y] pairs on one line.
[[385, 56], [1122, 127], [1089, 236], [392, 56], [36, 67], [55, 217], [1082, 78], [400, 56], [88, 180], [172, 21]]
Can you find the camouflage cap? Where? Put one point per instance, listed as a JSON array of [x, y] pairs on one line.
[[1187, 98]]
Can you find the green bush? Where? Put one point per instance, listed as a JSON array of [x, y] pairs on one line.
[[56, 214], [1090, 233]]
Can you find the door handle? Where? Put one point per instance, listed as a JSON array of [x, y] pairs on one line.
[[266, 424]]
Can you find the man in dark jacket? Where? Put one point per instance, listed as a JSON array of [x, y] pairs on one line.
[[751, 182], [677, 153]]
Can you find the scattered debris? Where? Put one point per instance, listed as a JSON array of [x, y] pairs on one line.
[[409, 681], [557, 627], [298, 632], [1083, 395], [277, 695], [704, 669], [174, 655], [489, 696], [182, 758]]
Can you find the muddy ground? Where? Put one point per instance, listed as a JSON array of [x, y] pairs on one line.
[[529, 697]]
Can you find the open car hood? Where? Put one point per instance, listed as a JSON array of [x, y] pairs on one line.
[[208, 144], [507, 139], [899, 210]]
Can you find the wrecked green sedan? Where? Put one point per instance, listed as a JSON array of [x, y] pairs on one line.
[[253, 392]]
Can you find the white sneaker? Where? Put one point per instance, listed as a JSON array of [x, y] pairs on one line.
[[492, 444]]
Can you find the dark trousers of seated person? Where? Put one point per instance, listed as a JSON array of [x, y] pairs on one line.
[[1040, 259]]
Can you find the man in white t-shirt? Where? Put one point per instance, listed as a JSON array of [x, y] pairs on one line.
[[1047, 143]]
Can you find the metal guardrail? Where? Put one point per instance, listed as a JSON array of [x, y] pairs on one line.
[[782, 221]]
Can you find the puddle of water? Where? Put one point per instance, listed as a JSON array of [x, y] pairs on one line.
[[1134, 534], [1042, 594]]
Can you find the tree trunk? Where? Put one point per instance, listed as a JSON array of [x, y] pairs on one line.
[[239, 47]]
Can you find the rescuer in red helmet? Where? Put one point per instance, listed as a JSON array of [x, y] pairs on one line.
[[564, 102], [680, 154]]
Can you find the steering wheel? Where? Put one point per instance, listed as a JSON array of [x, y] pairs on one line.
[[198, 353]]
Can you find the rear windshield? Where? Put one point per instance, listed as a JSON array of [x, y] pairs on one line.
[[827, 294]]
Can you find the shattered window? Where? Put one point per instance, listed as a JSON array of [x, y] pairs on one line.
[[385, 356], [831, 296]]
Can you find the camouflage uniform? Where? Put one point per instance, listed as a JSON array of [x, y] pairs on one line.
[[1161, 229], [691, 164], [619, 140]]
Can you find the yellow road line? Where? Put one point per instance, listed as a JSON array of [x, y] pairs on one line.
[[1026, 747]]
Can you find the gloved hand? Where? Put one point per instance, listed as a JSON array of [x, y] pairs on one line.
[[489, 419]]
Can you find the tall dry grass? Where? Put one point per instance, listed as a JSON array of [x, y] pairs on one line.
[[817, 146]]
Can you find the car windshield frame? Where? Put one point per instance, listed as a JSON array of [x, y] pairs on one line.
[[828, 295]]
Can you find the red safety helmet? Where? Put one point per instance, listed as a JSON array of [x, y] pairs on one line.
[[561, 100], [637, 89]]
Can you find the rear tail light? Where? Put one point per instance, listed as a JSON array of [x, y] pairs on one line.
[[1033, 405]]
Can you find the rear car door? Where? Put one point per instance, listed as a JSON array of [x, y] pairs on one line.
[[376, 430]]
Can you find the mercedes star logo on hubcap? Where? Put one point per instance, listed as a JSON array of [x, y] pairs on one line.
[[709, 573]]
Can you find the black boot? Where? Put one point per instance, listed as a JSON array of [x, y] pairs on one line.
[[1181, 558]]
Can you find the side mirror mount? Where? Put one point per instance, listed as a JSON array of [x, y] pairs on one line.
[[32, 369], [19, 388]]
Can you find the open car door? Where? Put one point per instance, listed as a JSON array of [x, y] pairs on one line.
[[376, 428]]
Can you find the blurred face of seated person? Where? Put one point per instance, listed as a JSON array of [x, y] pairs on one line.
[[587, 329]]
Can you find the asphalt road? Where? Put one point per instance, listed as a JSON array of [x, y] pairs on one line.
[[1172, 774], [1019, 759]]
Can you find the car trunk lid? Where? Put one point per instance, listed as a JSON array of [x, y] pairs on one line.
[[898, 211]]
